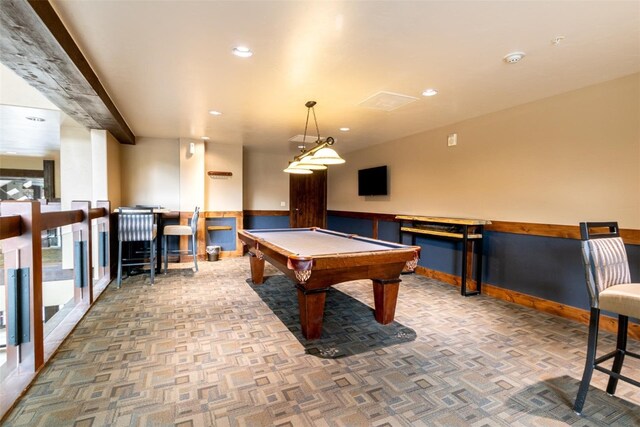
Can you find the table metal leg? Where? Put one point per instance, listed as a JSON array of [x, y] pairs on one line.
[[159, 234], [479, 264], [465, 254]]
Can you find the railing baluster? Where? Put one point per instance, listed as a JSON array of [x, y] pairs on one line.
[[82, 238], [29, 248], [21, 227]]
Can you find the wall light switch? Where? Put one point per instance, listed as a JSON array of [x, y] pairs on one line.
[[452, 140], [283, 204]]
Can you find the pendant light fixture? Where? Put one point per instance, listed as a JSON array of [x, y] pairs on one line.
[[319, 156]]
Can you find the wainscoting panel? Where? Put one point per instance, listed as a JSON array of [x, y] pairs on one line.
[[388, 230], [266, 219], [360, 226], [545, 267]]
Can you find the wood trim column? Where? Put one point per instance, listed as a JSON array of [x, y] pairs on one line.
[[49, 174]]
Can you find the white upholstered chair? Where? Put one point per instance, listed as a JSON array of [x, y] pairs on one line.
[[610, 289], [182, 230]]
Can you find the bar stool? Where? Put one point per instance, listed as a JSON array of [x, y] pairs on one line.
[[136, 225], [182, 230], [610, 288]]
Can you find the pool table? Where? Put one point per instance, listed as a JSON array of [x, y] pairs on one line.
[[315, 259]]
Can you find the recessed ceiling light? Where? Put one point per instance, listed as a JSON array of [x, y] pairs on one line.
[[242, 52], [345, 129], [215, 113], [35, 119], [429, 92], [205, 138], [513, 57]]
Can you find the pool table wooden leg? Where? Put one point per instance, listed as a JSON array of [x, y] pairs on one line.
[[257, 269], [311, 305], [385, 296]]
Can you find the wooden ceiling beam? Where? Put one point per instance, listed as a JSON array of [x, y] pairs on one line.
[[35, 44]]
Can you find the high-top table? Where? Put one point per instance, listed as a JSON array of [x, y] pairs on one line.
[[467, 231]]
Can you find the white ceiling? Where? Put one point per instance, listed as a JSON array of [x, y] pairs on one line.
[[20, 136], [166, 63]]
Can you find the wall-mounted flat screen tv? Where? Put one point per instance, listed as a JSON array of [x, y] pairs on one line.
[[372, 181]]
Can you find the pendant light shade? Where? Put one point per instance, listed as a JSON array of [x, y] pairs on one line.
[[318, 156], [307, 163], [326, 156], [293, 168]]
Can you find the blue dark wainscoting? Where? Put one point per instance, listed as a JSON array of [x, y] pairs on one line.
[[265, 221], [226, 239], [545, 267], [361, 227]]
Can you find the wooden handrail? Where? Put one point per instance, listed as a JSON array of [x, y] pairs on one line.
[[10, 226], [58, 219], [97, 213]]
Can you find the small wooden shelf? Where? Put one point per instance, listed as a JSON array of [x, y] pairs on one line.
[[441, 220], [219, 227], [219, 174]]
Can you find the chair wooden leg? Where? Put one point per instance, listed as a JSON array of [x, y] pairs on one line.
[[621, 348], [194, 250], [119, 281], [165, 253], [592, 344]]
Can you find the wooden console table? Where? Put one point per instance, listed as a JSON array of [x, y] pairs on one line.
[[467, 231]]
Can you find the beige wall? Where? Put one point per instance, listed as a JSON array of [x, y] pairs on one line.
[[98, 166], [114, 186], [76, 178], [76, 172], [560, 160], [192, 174], [223, 194], [265, 185], [163, 171], [150, 172]]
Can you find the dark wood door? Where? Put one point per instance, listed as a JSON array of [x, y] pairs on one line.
[[308, 200]]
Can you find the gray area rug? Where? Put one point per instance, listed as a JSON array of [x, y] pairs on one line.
[[211, 348]]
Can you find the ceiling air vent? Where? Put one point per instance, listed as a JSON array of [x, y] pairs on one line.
[[387, 101]]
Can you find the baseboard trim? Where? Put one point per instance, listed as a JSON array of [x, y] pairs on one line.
[[607, 323]]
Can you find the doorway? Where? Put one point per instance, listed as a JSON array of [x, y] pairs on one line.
[[308, 200]]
